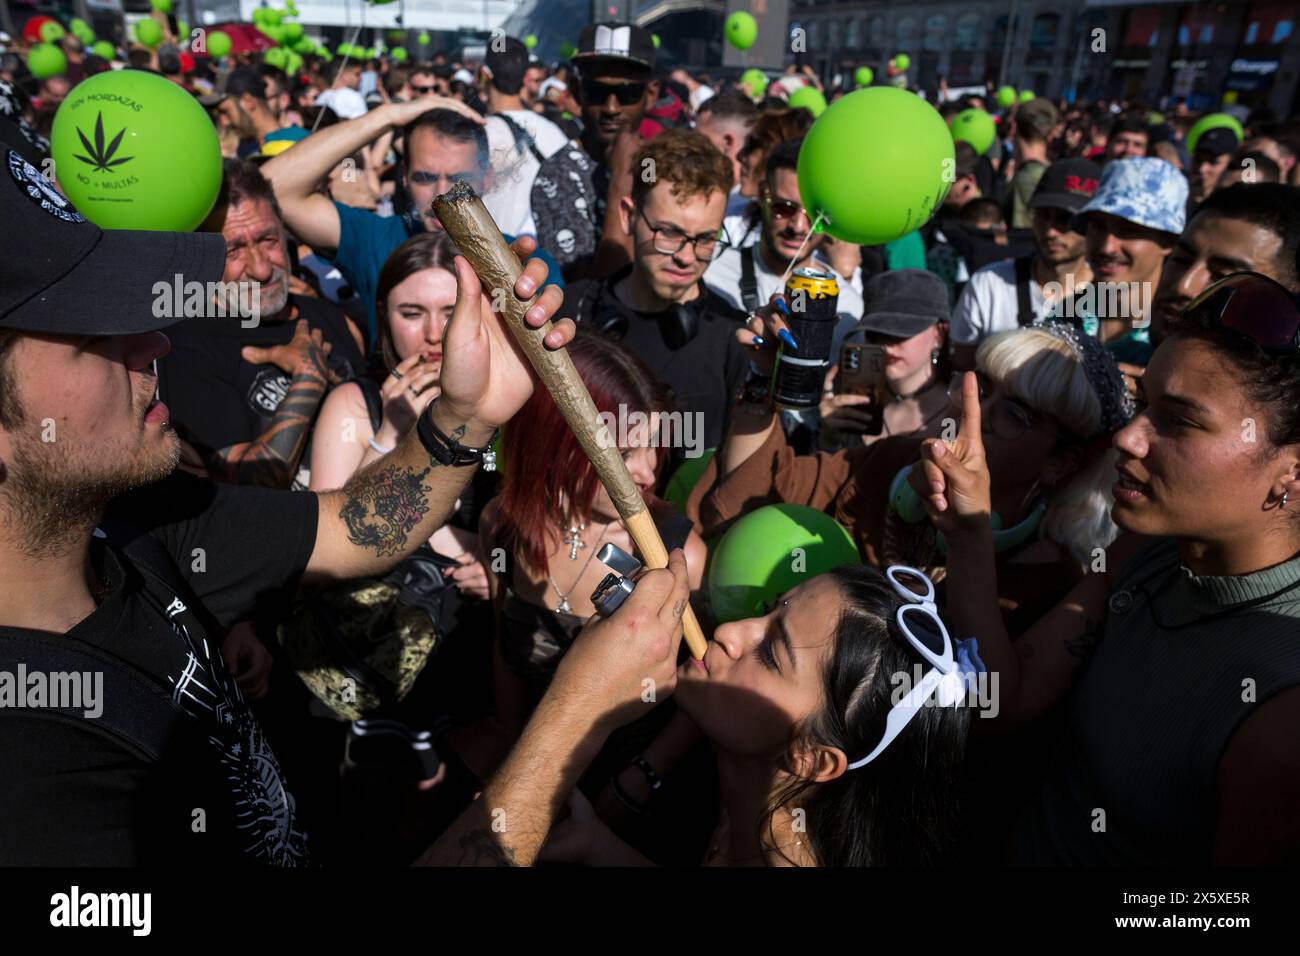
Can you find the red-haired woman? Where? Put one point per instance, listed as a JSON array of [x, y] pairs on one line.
[[553, 516]]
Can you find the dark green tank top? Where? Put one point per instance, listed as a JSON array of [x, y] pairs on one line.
[[1134, 782]]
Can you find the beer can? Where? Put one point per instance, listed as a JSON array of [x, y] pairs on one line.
[[813, 297]]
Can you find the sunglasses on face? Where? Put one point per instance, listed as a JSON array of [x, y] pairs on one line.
[[423, 90], [594, 92], [782, 209], [1251, 305]]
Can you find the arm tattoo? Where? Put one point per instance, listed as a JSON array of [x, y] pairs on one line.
[[1082, 646], [382, 507], [272, 458], [480, 848]]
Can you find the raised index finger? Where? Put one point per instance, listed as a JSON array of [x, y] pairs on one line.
[[971, 424]]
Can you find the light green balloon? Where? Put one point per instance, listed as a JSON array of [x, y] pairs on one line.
[[1006, 96], [863, 76], [276, 57], [654, 38], [182, 30], [259, 16], [751, 564], [274, 16], [136, 151], [530, 41], [679, 486], [273, 30], [874, 164], [162, 6], [741, 29], [756, 80], [218, 43], [293, 62], [1209, 122], [292, 32], [102, 48], [567, 50], [423, 38], [902, 62], [148, 32], [45, 60], [52, 32], [976, 127], [1027, 95], [399, 54], [809, 98]]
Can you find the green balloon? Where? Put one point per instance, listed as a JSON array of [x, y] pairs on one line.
[[751, 564], [423, 38], [218, 43], [567, 50], [136, 151], [902, 62], [1006, 96], [863, 76], [83, 33], [679, 486], [182, 30], [162, 6], [1027, 95], [741, 29], [292, 32], [76, 26], [148, 32], [52, 32], [809, 98], [293, 62], [976, 127], [530, 41], [274, 16], [290, 8], [45, 60], [273, 30], [304, 46], [259, 16], [102, 48], [891, 149], [755, 79], [1209, 122], [276, 57], [654, 38]]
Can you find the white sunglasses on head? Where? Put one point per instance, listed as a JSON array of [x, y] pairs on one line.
[[920, 623]]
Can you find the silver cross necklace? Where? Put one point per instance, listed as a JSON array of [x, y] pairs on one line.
[[574, 542]]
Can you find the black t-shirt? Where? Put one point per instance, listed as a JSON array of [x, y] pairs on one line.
[[72, 794], [703, 373], [215, 398]]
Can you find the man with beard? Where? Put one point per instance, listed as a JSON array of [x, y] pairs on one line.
[[615, 66], [114, 569], [748, 278], [1241, 228], [243, 106], [1017, 292], [1130, 226], [244, 391]]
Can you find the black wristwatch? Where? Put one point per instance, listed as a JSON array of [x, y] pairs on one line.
[[447, 451]]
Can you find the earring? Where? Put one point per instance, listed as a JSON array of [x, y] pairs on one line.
[[1282, 504], [934, 357]]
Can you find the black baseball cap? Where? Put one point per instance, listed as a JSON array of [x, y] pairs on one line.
[[613, 42], [1066, 184], [1218, 141], [63, 275], [903, 302]]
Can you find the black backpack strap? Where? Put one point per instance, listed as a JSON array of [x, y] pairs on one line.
[[523, 138], [1024, 276], [135, 713], [374, 401], [748, 280]]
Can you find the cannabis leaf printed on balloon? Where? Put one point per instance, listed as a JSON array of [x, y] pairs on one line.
[[103, 157]]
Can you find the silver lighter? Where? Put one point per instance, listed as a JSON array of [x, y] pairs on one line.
[[614, 588]]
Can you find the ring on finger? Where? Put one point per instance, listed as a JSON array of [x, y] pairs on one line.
[[397, 375]]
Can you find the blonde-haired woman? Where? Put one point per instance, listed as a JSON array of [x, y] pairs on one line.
[[1051, 398]]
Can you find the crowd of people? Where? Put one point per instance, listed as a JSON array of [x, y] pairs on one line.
[[340, 618]]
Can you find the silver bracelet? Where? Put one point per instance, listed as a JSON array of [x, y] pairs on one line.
[[378, 447]]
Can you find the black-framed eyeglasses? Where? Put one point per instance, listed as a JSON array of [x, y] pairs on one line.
[[424, 90], [1251, 305], [594, 92], [668, 240]]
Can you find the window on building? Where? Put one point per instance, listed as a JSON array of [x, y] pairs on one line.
[[966, 35], [1042, 36], [935, 29]]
